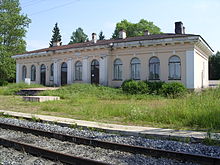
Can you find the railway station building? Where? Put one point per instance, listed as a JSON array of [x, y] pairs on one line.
[[154, 57]]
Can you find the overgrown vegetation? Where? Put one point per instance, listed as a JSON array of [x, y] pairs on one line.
[[171, 89], [198, 111], [135, 87], [214, 66], [11, 89]]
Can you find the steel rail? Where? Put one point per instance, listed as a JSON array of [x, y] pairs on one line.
[[206, 160], [48, 154]]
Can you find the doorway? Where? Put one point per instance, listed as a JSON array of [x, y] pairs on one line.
[[43, 74], [95, 72], [64, 73]]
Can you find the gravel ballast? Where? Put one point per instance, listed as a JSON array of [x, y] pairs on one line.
[[95, 153], [131, 140], [10, 156]]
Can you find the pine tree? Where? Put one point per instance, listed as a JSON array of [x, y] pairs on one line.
[[101, 36], [56, 35], [13, 26]]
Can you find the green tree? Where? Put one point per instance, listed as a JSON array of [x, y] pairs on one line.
[[56, 37], [78, 36], [101, 36], [135, 29], [214, 66], [13, 26]]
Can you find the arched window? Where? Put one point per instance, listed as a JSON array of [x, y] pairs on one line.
[[174, 68], [51, 70], [135, 69], [33, 73], [154, 68], [24, 72], [117, 69], [78, 71]]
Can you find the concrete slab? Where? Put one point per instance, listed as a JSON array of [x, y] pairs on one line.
[[40, 98], [34, 91], [123, 129], [41, 89]]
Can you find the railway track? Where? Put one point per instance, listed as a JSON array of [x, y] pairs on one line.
[[70, 159]]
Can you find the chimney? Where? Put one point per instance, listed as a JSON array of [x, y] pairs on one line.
[[57, 43], [146, 33], [122, 34], [179, 28], [94, 38]]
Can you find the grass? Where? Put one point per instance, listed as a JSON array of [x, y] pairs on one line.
[[11, 89], [195, 111]]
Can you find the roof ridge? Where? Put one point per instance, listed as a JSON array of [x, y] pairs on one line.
[[103, 42]]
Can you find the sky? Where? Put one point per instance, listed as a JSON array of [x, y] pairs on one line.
[[198, 16]]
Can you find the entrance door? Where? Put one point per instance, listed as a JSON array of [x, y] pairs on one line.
[[95, 72], [43, 74], [64, 74]]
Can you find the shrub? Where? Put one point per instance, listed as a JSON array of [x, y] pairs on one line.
[[173, 89], [154, 87], [3, 83], [135, 87]]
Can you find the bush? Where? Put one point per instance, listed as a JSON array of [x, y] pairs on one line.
[[135, 87], [173, 89], [154, 87], [3, 83]]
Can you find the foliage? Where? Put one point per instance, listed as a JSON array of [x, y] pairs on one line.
[[13, 26], [78, 36], [3, 83], [11, 89], [173, 89], [78, 91], [101, 36], [214, 66], [155, 86], [56, 37], [197, 111], [135, 29], [135, 87]]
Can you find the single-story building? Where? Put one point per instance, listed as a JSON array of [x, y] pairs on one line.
[[155, 57]]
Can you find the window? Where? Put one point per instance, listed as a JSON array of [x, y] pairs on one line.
[[33, 73], [78, 70], [24, 72], [154, 68], [135, 69], [117, 69], [174, 68], [51, 69]]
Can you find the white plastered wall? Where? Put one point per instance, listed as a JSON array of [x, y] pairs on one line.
[[201, 70]]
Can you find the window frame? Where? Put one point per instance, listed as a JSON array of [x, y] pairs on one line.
[[33, 73], [78, 71], [24, 72], [117, 70], [155, 65], [136, 74], [175, 64]]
